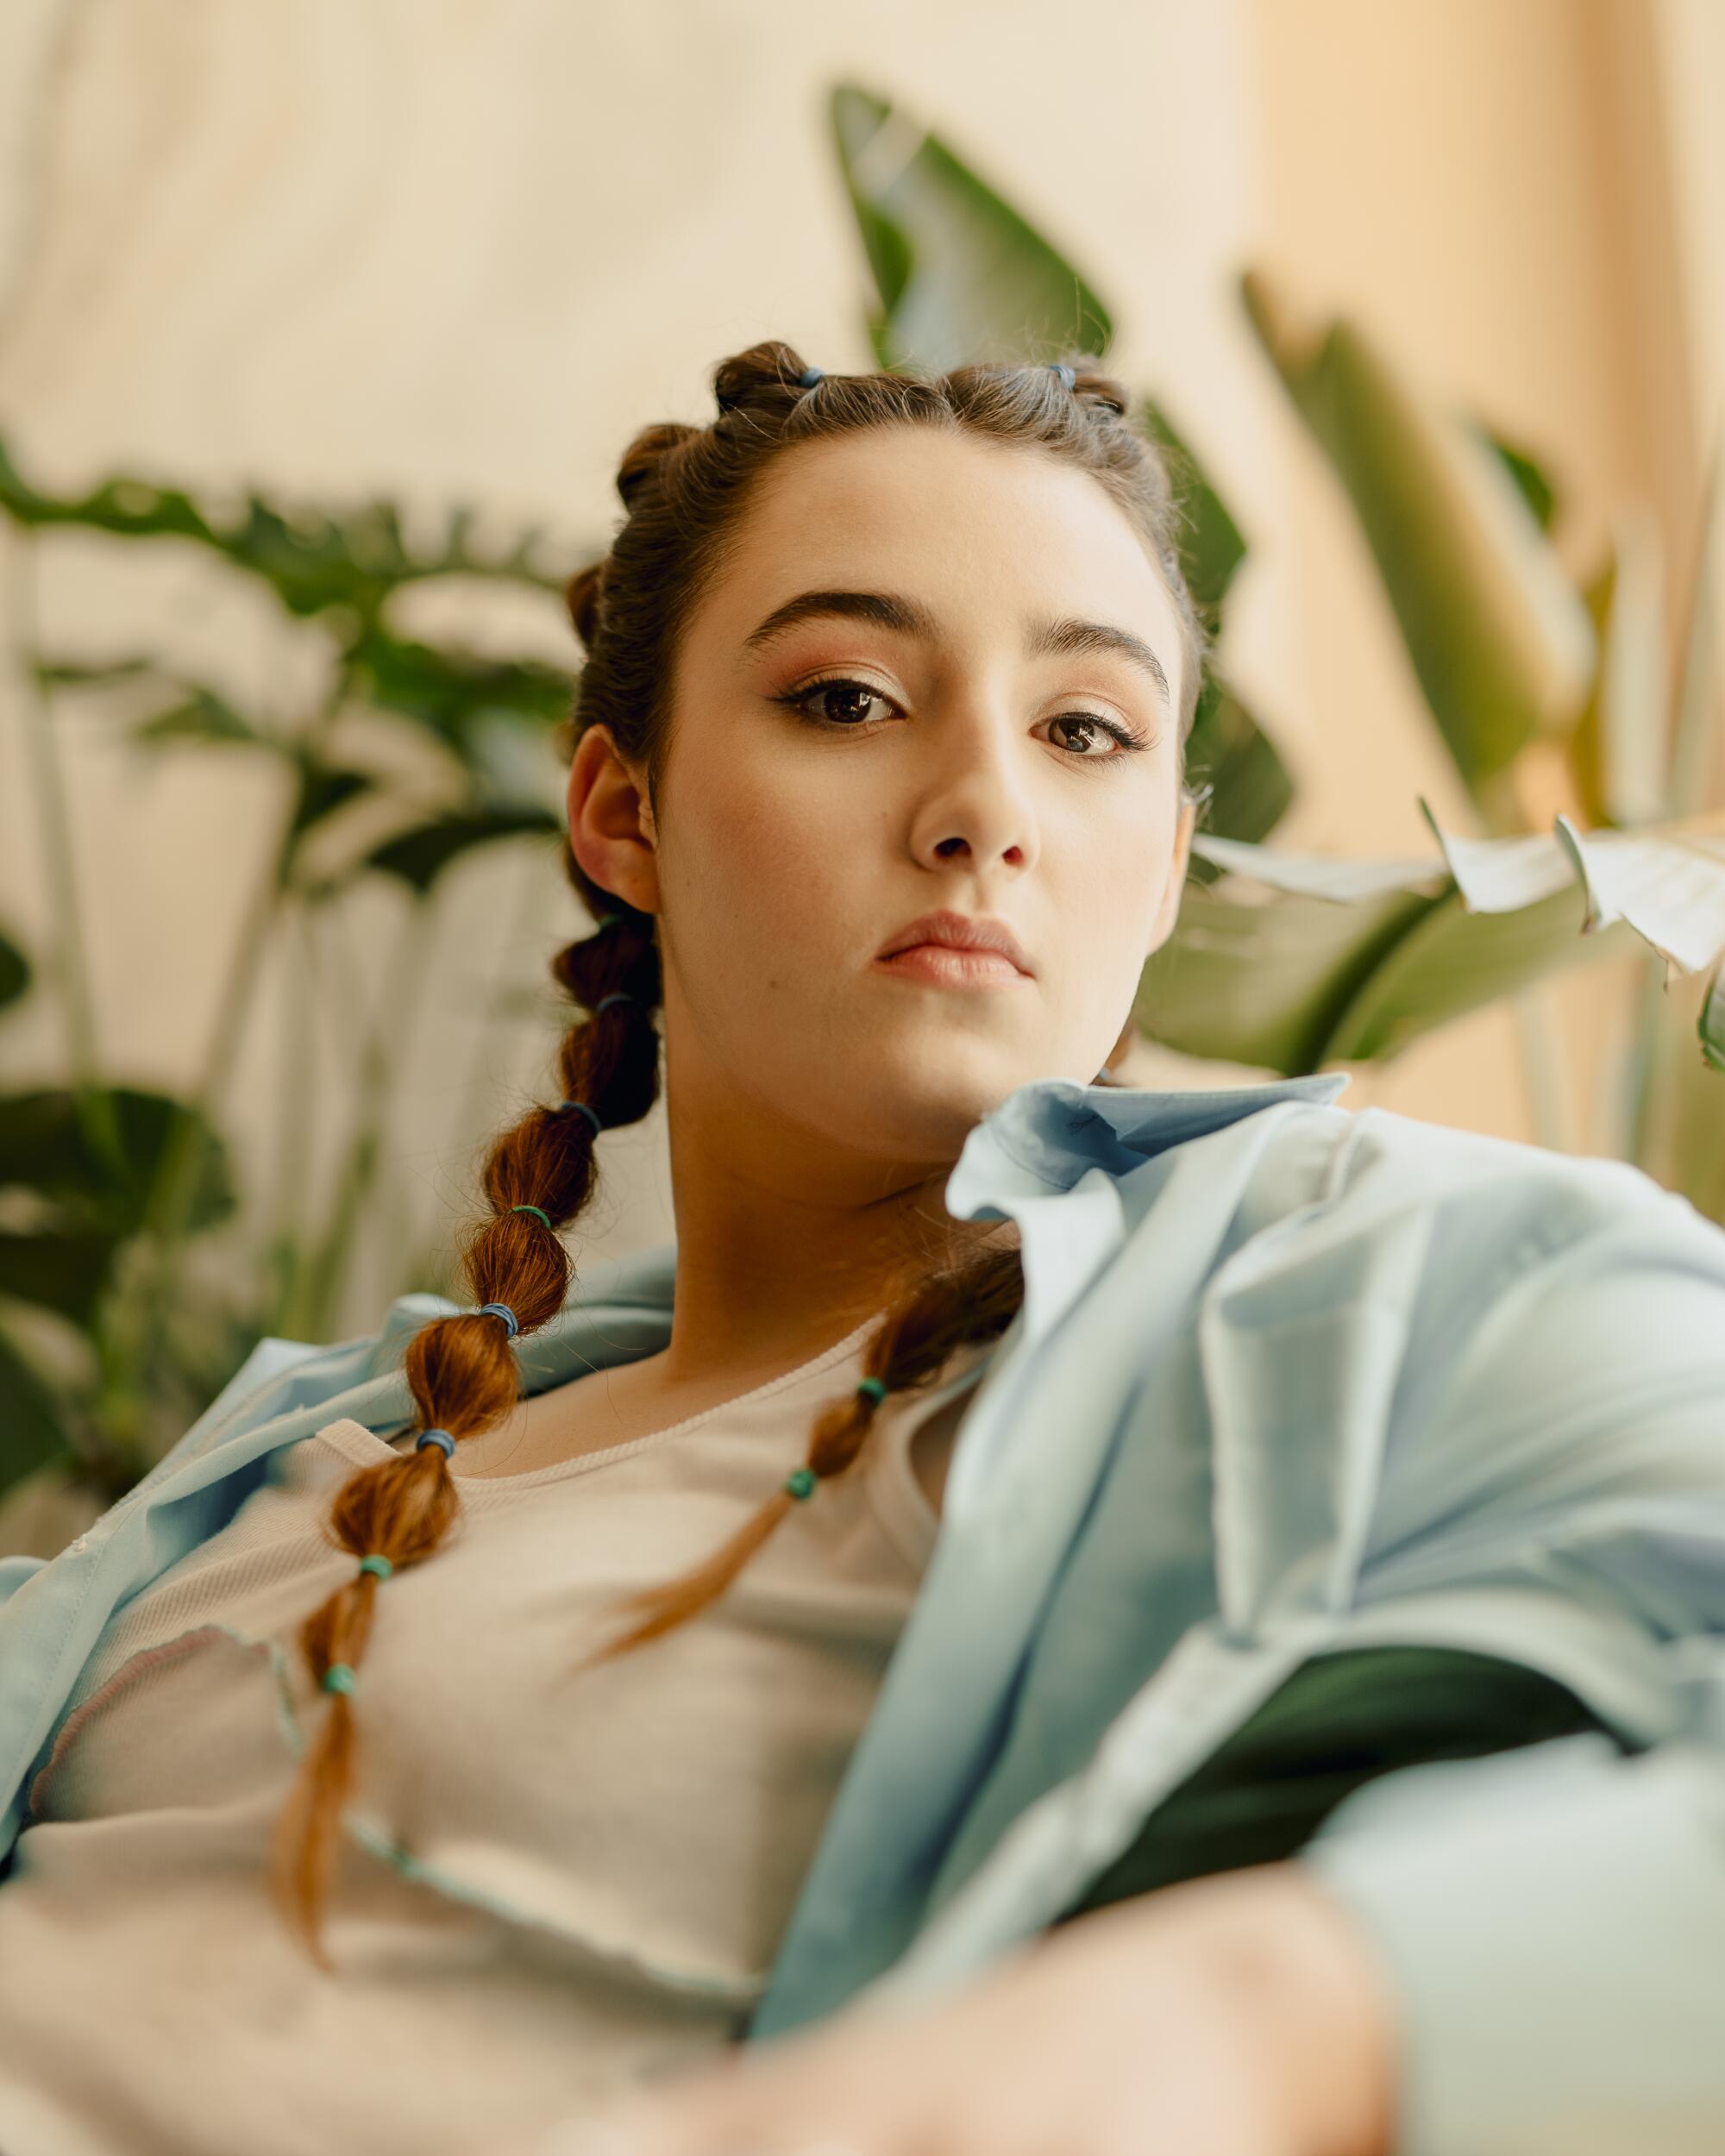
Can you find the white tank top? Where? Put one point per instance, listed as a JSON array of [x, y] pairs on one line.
[[549, 1889]]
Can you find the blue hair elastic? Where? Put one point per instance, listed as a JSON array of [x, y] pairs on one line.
[[436, 1437], [587, 1109], [810, 376], [617, 995], [500, 1310], [874, 1386], [1065, 372], [379, 1564]]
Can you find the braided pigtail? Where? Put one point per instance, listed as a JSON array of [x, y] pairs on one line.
[[930, 1315], [461, 1370]]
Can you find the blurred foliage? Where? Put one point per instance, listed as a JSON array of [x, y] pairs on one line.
[[1537, 690], [105, 1187]]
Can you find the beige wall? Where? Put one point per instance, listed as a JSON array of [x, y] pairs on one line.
[[447, 249]]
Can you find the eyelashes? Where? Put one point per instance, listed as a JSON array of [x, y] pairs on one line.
[[798, 701]]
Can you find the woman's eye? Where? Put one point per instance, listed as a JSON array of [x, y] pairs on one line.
[[1118, 734], [841, 703], [841, 693]]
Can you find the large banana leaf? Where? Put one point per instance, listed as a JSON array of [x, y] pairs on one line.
[[1265, 984], [962, 276], [1502, 642], [1354, 960]]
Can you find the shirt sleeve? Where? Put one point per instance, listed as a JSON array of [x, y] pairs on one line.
[[1551, 1922]]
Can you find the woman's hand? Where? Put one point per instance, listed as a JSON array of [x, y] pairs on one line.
[[1235, 2016]]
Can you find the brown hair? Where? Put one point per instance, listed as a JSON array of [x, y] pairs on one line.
[[685, 490]]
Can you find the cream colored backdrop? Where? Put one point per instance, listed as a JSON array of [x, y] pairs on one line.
[[462, 248]]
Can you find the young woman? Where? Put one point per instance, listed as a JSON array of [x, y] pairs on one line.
[[1011, 1612]]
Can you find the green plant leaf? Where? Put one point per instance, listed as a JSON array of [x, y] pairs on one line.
[[316, 561], [1354, 960], [447, 691], [1711, 1026], [65, 1270], [75, 673], [1692, 1155], [323, 788], [961, 277], [1265, 984], [201, 714], [30, 1433], [419, 857], [15, 973], [1211, 547], [1500, 643], [1535, 483], [1228, 751], [1618, 751], [43, 1149], [1456, 962], [1668, 883]]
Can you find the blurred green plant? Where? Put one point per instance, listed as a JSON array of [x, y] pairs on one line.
[[1539, 692], [107, 1350], [1589, 781]]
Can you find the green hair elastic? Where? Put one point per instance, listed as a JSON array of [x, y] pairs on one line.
[[339, 1677], [380, 1565], [802, 1481], [540, 1209]]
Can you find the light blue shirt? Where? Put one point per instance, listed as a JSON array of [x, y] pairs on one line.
[[1287, 1380]]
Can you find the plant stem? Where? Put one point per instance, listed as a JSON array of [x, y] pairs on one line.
[[1644, 1079], [296, 1059], [319, 1295], [173, 1188], [1540, 1067], [93, 1103]]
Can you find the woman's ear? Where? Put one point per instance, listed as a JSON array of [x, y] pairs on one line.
[[612, 832]]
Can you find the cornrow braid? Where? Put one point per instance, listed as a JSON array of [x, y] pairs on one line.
[[683, 488]]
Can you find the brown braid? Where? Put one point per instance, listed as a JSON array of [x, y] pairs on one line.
[[683, 489]]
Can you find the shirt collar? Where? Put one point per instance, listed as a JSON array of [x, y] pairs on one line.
[[1053, 1131], [1040, 1141]]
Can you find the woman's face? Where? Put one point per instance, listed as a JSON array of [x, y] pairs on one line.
[[988, 628]]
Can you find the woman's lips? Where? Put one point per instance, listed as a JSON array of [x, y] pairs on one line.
[[945, 966]]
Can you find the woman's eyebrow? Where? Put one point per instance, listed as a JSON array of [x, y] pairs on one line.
[[910, 617]]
